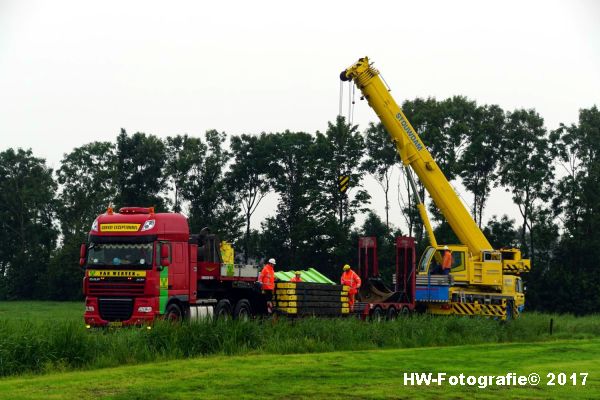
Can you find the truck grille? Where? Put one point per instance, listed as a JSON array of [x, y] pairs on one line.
[[115, 287], [115, 309]]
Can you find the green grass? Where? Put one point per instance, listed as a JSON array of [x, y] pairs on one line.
[[334, 375], [42, 310], [46, 337]]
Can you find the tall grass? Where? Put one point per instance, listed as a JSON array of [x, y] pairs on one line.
[[41, 346]]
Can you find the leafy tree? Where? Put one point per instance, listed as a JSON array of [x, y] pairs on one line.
[[27, 234], [247, 178], [293, 175], [527, 169], [501, 232], [178, 164], [211, 203], [87, 180], [382, 156], [339, 152], [140, 165], [573, 272], [479, 162], [88, 185]]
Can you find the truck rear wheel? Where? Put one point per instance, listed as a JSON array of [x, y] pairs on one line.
[[377, 314], [392, 313], [405, 312], [242, 310], [223, 309]]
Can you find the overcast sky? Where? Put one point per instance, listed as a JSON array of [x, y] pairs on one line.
[[72, 72]]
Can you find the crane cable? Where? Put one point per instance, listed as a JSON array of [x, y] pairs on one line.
[[341, 97], [351, 94], [351, 101]]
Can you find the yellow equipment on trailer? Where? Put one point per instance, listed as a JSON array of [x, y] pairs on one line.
[[482, 280]]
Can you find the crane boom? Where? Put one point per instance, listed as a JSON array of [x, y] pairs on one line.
[[413, 153]]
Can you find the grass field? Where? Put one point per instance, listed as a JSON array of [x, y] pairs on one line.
[[42, 310], [347, 375], [284, 358]]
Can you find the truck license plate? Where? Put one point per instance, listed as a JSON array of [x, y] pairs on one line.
[[115, 324]]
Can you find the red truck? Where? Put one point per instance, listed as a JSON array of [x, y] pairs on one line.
[[140, 265]]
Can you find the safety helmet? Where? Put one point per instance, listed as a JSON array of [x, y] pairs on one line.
[[298, 272], [346, 267], [445, 247], [272, 261]]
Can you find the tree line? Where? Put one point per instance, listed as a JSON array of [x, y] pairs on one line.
[[219, 181]]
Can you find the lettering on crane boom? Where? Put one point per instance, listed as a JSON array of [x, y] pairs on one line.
[[411, 133]]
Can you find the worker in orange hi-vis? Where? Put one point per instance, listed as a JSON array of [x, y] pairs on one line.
[[447, 261], [267, 282], [297, 277], [352, 280]]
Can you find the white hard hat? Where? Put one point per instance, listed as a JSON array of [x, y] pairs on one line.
[[272, 261], [445, 247]]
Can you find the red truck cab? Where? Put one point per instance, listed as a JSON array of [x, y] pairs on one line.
[[140, 265], [136, 262]]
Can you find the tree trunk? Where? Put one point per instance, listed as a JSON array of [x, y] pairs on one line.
[[247, 241]]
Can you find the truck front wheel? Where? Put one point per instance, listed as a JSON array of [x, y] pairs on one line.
[[173, 313]]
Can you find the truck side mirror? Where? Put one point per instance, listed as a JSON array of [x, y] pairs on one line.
[[164, 255], [82, 254]]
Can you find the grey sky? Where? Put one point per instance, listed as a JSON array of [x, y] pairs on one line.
[[72, 71]]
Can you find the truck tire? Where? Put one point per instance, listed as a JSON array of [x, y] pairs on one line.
[[223, 309], [173, 313], [242, 310], [377, 314], [392, 313], [510, 310], [405, 312]]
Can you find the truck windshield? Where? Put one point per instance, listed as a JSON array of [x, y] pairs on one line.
[[120, 255]]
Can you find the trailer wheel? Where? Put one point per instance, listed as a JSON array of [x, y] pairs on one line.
[[173, 313], [392, 313], [242, 310], [405, 312], [377, 314], [223, 309]]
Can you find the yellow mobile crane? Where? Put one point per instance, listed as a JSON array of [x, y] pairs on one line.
[[481, 280]]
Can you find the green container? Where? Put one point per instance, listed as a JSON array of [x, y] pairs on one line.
[[310, 275]]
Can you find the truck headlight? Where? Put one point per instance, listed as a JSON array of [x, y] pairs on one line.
[[145, 309], [149, 224], [89, 309]]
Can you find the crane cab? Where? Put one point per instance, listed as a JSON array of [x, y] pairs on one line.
[[432, 260], [464, 270]]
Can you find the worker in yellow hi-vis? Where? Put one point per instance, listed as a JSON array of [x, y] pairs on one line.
[[297, 277]]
